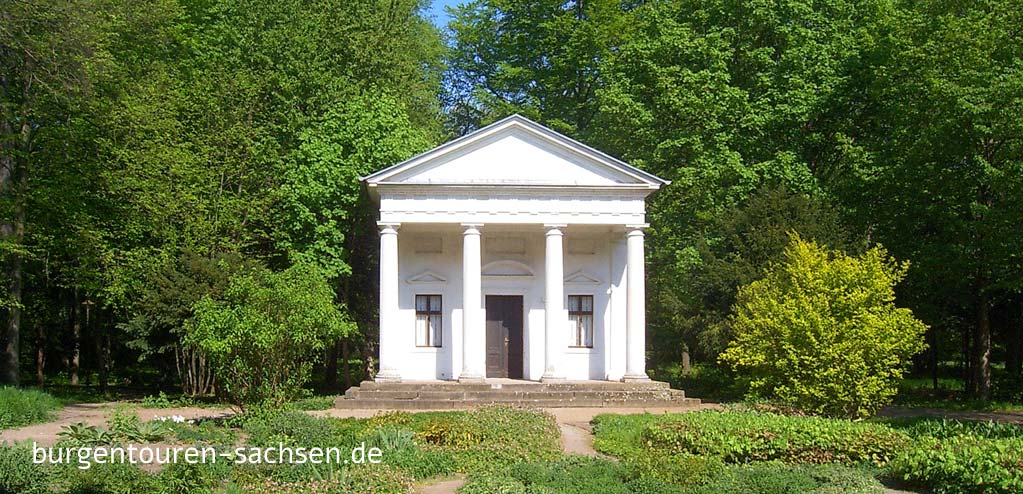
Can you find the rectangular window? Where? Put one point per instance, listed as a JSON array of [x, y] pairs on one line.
[[580, 313], [428, 320]]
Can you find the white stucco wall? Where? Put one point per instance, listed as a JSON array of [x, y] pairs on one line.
[[588, 255]]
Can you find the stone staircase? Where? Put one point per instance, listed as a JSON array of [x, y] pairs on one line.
[[440, 395]]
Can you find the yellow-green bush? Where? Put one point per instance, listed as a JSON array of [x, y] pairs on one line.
[[821, 331]]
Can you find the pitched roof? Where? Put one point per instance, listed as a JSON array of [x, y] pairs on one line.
[[570, 152]]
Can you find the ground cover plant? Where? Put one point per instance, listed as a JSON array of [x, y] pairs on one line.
[[954, 457], [585, 475], [749, 436], [415, 447], [940, 456], [20, 407]]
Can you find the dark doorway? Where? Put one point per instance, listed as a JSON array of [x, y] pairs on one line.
[[504, 336]]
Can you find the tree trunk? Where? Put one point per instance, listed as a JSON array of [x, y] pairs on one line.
[[330, 367], [687, 366], [13, 184], [40, 354], [76, 337], [345, 355], [981, 381]]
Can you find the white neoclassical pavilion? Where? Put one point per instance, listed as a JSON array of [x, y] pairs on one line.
[[512, 252]]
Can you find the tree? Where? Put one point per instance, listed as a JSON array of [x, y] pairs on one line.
[[265, 331], [736, 249], [48, 50], [946, 182], [821, 331], [536, 57]]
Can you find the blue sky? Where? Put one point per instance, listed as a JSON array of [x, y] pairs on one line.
[[436, 11]]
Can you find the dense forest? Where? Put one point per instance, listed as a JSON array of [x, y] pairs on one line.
[[152, 152]]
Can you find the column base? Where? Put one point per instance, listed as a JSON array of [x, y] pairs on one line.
[[388, 376], [471, 378], [550, 376], [635, 378]]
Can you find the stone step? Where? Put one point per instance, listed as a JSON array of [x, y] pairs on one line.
[[516, 386], [427, 404], [444, 395], [519, 395]]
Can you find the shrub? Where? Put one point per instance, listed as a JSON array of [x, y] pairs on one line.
[[964, 464], [20, 407], [18, 474], [821, 332], [264, 334]]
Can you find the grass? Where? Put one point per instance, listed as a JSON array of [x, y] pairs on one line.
[[19, 407]]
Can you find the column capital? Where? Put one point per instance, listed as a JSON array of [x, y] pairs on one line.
[[554, 228], [471, 228], [388, 226], [636, 230]]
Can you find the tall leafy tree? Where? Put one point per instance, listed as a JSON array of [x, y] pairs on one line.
[[48, 51], [946, 182]]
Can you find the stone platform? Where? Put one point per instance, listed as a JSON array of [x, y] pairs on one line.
[[439, 395]]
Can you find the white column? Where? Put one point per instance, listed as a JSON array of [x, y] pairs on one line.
[[474, 349], [554, 307], [635, 309], [390, 333]]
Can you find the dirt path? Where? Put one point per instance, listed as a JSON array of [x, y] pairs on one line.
[[446, 486], [45, 434]]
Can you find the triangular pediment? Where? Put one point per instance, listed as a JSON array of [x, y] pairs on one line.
[[515, 151], [582, 278], [426, 277]]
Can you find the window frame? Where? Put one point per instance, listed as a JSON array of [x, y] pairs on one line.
[[430, 314], [576, 315]]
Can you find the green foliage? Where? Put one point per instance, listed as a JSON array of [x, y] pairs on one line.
[[108, 478], [264, 334], [301, 429], [377, 479], [491, 437], [315, 403], [122, 428], [19, 474], [20, 407], [708, 381], [821, 331], [581, 475], [198, 478], [775, 478], [743, 437], [963, 464]]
